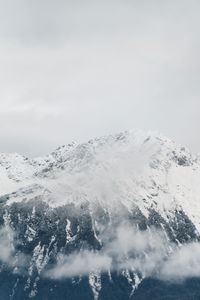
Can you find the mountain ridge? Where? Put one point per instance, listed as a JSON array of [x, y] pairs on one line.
[[135, 158], [72, 206]]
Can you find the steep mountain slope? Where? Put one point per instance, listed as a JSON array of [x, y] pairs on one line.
[[78, 200]]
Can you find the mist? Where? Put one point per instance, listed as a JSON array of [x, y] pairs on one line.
[[72, 71], [147, 253]]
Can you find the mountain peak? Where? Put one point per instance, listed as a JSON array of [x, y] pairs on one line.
[[131, 168]]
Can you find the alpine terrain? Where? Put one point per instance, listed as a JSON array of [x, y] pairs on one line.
[[117, 217]]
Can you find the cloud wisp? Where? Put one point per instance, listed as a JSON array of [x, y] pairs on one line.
[[9, 257], [6, 245], [147, 253], [183, 263], [80, 264]]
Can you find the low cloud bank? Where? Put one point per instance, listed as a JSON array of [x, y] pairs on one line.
[[148, 253]]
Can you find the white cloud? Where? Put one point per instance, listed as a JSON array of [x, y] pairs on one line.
[[183, 263], [8, 255], [6, 245], [127, 248], [78, 264], [148, 253]]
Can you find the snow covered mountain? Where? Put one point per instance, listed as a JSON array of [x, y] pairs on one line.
[[76, 199]]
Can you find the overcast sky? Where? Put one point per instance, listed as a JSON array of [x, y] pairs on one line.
[[76, 69]]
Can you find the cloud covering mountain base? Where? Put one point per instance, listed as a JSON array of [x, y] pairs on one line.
[[148, 253]]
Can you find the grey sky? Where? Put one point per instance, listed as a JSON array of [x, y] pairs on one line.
[[72, 70]]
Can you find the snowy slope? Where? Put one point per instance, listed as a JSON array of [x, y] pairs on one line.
[[133, 168]]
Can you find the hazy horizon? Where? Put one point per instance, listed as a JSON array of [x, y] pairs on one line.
[[71, 71]]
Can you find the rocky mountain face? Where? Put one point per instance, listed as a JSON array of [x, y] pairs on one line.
[[99, 220]]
